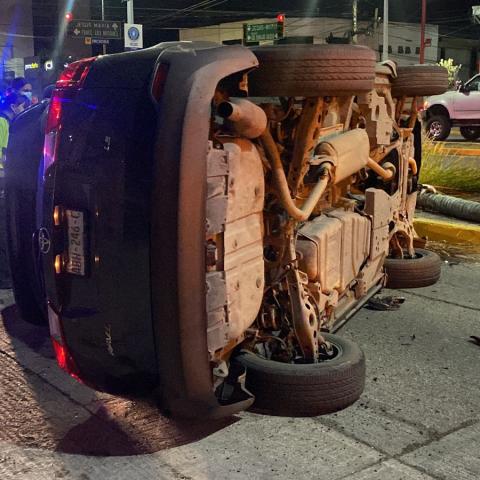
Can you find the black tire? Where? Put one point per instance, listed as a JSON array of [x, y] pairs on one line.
[[312, 71], [420, 80], [421, 271], [470, 133], [306, 389], [438, 127]]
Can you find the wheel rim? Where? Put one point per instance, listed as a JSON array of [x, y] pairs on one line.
[[324, 355], [435, 129], [417, 256]]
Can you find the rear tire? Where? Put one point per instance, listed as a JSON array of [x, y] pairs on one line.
[[306, 389], [438, 127], [419, 80], [312, 71], [422, 271], [470, 133]]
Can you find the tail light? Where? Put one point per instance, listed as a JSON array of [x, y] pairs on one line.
[[159, 79], [64, 359], [75, 74], [70, 82]]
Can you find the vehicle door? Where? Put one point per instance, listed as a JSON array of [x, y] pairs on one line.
[[467, 100]]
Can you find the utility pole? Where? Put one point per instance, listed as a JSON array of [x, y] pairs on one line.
[[104, 47], [130, 16], [385, 31], [422, 31], [354, 20]]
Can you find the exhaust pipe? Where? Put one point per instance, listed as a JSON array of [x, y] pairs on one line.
[[246, 118]]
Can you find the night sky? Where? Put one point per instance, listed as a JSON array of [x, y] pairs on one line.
[[160, 18]]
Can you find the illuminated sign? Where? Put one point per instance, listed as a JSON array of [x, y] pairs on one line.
[[32, 66], [48, 65]]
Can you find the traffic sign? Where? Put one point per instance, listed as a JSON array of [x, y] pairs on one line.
[[133, 34], [254, 32], [103, 29]]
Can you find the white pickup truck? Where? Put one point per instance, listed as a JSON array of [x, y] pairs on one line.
[[456, 108]]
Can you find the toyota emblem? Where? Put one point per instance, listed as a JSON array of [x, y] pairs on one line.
[[44, 241]]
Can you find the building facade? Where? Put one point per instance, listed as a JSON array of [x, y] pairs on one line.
[[16, 37]]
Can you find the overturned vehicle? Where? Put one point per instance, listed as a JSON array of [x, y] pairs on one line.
[[207, 217]]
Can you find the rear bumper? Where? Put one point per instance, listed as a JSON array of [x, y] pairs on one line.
[[178, 226]]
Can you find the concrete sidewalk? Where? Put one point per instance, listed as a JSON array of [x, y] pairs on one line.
[[418, 419]]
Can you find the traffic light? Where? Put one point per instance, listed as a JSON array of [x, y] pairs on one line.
[[68, 17], [280, 25]]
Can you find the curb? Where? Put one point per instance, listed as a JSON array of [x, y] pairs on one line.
[[448, 231], [464, 152]]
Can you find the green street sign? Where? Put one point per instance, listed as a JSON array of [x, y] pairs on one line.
[[256, 32]]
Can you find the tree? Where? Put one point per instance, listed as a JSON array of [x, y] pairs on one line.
[[452, 70]]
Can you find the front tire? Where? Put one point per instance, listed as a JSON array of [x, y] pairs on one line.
[[421, 271], [438, 127], [312, 389], [470, 133]]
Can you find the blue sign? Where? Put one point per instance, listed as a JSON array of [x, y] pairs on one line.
[[133, 33]]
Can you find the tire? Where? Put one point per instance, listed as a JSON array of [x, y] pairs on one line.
[[312, 71], [306, 389], [470, 133], [422, 271], [420, 80], [438, 127]]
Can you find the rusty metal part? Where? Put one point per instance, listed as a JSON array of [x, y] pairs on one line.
[[380, 153], [386, 173], [234, 218], [246, 118], [304, 212], [348, 152], [305, 319], [399, 108], [413, 113], [305, 141], [413, 165]]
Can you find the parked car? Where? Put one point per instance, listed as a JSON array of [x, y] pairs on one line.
[[457, 108], [209, 216]]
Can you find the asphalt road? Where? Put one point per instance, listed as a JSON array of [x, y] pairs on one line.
[[419, 418], [455, 137]]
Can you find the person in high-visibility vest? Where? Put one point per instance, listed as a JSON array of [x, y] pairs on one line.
[[10, 106]]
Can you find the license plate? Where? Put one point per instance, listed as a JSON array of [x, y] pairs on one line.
[[76, 242]]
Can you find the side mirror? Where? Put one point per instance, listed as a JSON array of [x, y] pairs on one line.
[[459, 86]]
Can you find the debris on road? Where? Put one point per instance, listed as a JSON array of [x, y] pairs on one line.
[[474, 339], [385, 303]]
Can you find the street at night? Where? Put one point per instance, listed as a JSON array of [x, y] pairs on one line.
[[239, 240]]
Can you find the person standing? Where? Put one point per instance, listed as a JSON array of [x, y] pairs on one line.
[[22, 87], [10, 106]]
